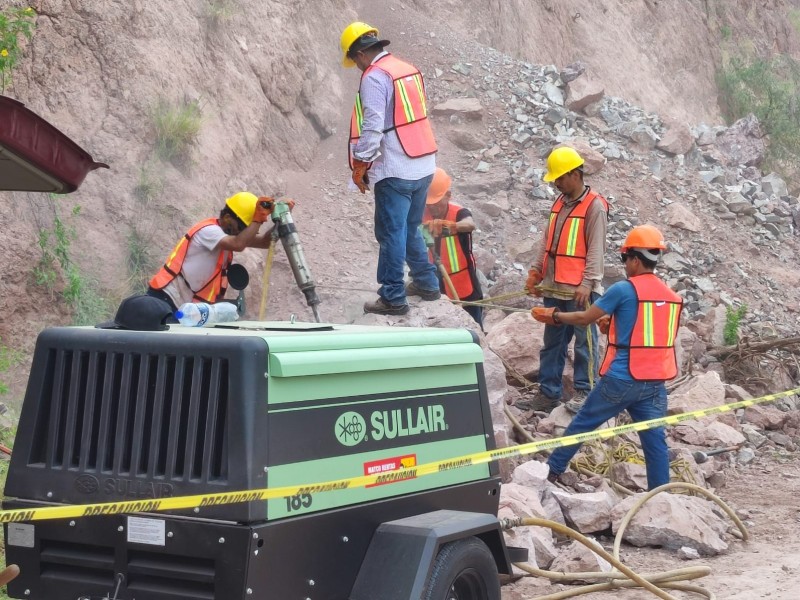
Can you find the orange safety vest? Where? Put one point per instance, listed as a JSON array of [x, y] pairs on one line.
[[410, 112], [651, 353], [569, 257], [459, 266], [214, 288]]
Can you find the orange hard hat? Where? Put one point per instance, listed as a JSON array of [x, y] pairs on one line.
[[439, 186], [645, 237]]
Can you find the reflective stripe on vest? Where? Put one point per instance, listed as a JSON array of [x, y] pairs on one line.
[[651, 353], [215, 287], [457, 264], [410, 114], [569, 257]]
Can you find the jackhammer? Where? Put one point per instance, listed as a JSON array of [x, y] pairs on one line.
[[286, 231]]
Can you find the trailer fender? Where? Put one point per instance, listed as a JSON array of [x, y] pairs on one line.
[[401, 554]]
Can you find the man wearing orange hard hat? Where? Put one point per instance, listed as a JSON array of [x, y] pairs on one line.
[[451, 226], [641, 317], [392, 149]]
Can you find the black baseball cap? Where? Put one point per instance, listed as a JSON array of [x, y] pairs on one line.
[[140, 313], [368, 40]]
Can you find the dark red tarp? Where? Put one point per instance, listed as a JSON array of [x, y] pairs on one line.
[[37, 157]]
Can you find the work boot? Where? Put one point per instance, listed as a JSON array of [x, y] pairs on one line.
[[575, 403], [413, 290], [382, 307], [539, 401]]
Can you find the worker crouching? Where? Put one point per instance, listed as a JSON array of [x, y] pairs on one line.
[[451, 228]]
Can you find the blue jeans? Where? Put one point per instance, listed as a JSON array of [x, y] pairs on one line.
[[553, 355], [643, 400], [399, 204]]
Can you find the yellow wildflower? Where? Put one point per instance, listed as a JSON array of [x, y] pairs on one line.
[[3, 52], [28, 11]]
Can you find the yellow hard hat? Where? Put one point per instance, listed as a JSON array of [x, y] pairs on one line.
[[439, 186], [561, 161], [243, 205], [353, 32]]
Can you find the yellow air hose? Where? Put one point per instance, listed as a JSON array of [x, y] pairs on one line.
[[625, 577], [262, 309]]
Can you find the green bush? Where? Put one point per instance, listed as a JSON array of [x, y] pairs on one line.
[[8, 359], [81, 291], [218, 11], [733, 317], [149, 186], [177, 127], [15, 24], [768, 88], [141, 264]]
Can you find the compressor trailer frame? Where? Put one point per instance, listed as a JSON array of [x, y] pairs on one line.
[[124, 415]]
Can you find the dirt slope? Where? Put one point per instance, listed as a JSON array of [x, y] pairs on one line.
[[659, 54]]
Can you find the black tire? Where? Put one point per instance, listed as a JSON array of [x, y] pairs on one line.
[[463, 570]]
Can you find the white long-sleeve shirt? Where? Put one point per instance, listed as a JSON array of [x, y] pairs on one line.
[[384, 149]]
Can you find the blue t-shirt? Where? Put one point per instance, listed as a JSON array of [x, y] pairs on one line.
[[620, 301]]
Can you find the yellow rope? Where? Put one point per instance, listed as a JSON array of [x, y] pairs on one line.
[[262, 309]]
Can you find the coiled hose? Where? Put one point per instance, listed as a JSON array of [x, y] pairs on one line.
[[625, 578]]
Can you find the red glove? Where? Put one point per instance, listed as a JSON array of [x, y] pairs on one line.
[[437, 225], [290, 202], [264, 208], [548, 316], [604, 324], [360, 177], [534, 279]]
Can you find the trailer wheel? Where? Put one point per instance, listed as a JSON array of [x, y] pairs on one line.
[[463, 570]]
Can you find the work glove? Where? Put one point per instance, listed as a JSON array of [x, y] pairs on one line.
[[604, 324], [548, 316], [360, 177], [264, 208], [534, 279], [437, 225], [290, 202]]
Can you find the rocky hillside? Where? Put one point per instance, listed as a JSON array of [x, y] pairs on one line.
[[265, 77]]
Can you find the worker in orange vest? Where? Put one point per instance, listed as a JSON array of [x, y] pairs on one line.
[[393, 149], [196, 269], [451, 226], [566, 272], [641, 317]]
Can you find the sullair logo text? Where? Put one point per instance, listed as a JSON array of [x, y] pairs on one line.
[[390, 424]]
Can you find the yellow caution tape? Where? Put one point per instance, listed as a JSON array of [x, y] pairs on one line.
[[199, 501]]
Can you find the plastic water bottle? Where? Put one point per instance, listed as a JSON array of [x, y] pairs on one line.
[[198, 314]]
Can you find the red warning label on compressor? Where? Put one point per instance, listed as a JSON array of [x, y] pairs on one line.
[[391, 470]]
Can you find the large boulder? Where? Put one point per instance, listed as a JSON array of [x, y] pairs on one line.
[[677, 140], [586, 513], [468, 108], [517, 339], [582, 92], [593, 160], [673, 521], [681, 216], [743, 143], [577, 558], [703, 391], [711, 435]]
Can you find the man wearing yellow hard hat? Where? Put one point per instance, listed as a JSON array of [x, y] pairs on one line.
[[392, 149], [567, 271], [196, 269], [451, 226]]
